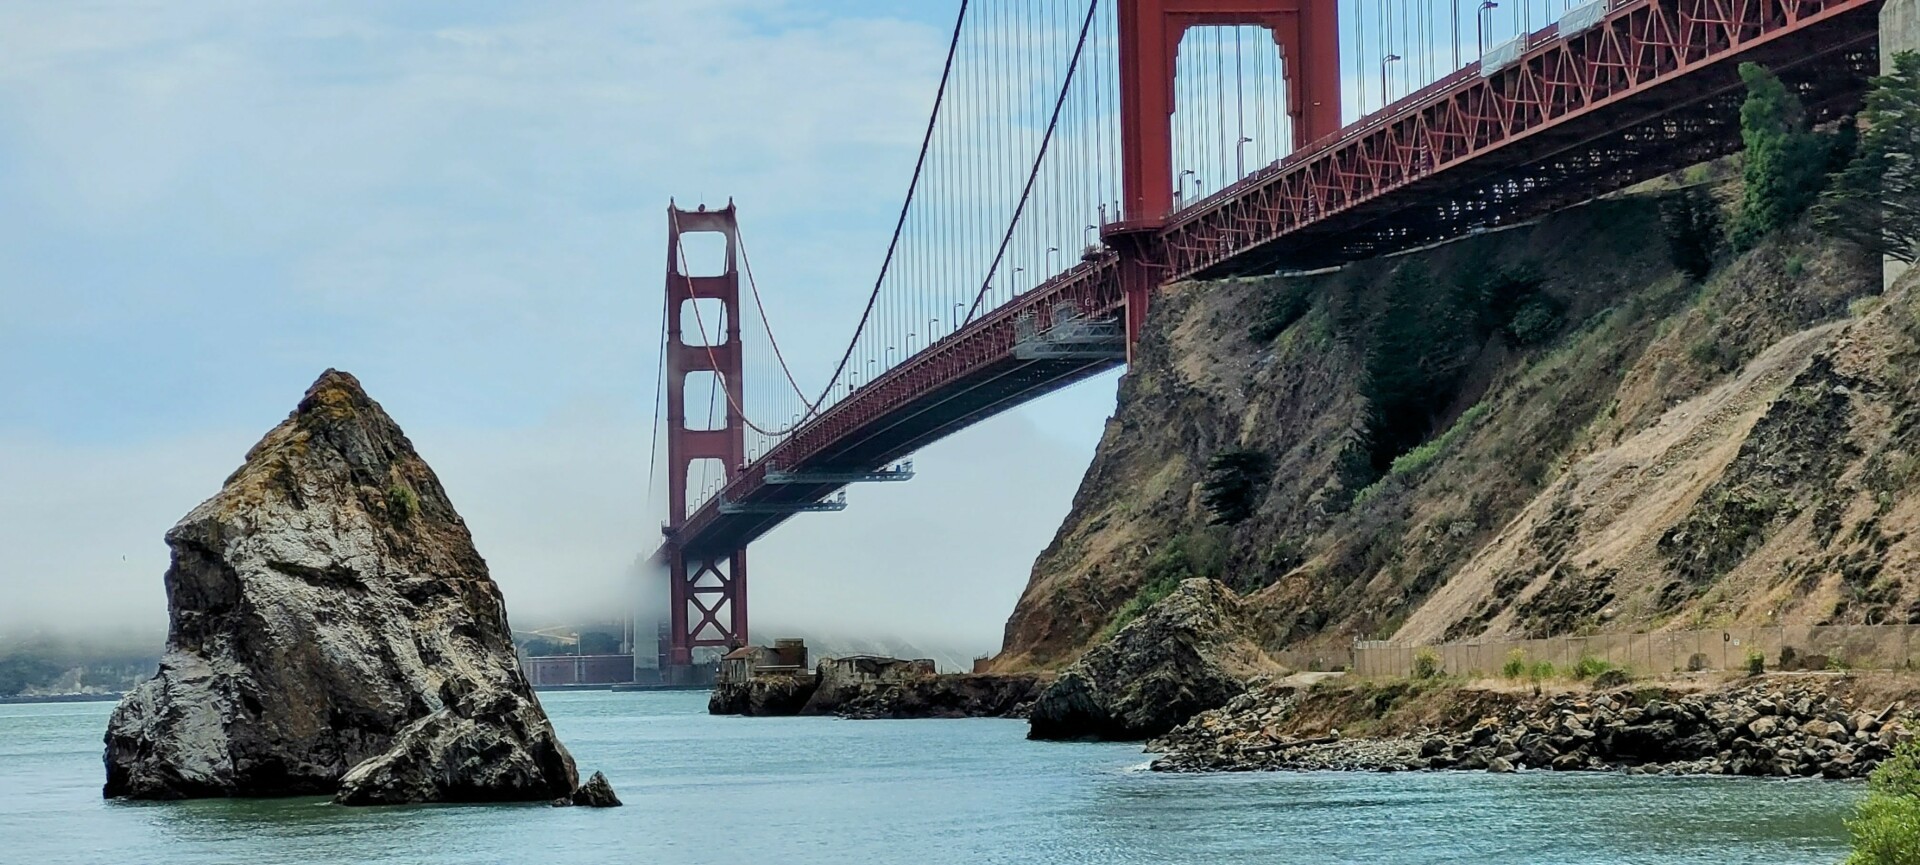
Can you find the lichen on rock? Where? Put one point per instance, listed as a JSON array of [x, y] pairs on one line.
[[330, 620]]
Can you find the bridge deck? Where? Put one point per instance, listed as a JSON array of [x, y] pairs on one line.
[[1652, 89]]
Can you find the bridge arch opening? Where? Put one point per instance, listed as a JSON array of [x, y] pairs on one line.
[[703, 322], [704, 253], [704, 401], [1230, 107]]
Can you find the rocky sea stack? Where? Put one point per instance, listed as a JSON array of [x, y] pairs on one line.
[[334, 631]]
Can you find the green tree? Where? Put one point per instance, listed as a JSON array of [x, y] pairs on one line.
[[1886, 827], [1233, 485], [1692, 222], [1875, 200], [1785, 161]]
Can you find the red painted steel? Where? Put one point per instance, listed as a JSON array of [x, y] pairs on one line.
[[1308, 35], [710, 583], [1649, 90], [1560, 98]]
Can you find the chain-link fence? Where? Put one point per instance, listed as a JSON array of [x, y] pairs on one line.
[[1811, 647]]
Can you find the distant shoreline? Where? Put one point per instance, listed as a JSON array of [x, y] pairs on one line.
[[59, 698]]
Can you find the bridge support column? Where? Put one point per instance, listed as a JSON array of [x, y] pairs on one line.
[[707, 589], [1307, 33]]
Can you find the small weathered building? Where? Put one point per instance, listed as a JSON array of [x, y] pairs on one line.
[[785, 658]]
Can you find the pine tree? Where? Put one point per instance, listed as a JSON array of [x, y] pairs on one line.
[[1875, 200], [1785, 163]]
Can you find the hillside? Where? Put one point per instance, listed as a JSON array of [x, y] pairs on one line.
[[1545, 430]]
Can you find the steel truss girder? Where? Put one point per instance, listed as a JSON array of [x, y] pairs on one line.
[[1642, 51]]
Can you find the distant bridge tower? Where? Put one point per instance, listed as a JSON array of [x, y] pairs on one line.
[[707, 589], [1308, 35]]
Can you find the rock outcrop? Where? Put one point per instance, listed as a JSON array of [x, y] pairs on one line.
[[1780, 728], [868, 687], [334, 631], [596, 793], [1189, 652]]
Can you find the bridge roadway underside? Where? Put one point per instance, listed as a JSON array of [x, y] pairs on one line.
[[993, 388], [1658, 131]]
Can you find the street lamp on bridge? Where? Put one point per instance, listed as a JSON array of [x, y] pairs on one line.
[[1485, 18], [1386, 93]]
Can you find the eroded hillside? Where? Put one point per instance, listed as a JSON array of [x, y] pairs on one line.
[[1539, 431]]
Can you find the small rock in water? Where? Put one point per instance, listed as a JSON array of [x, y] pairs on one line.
[[596, 793]]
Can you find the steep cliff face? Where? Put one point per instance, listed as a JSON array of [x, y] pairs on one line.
[[1537, 431]]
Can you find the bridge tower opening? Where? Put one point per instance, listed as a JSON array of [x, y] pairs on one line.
[[707, 589], [1308, 35]]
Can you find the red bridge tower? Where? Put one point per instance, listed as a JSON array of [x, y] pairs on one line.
[[1308, 34], [707, 589]]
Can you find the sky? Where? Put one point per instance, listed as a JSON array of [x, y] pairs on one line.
[[202, 206]]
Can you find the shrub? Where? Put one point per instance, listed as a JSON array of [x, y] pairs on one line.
[[1875, 200], [1516, 665], [1426, 664], [1756, 663], [1589, 666], [1284, 302], [1537, 320], [1692, 223], [1785, 162], [1541, 671], [1886, 825], [1420, 457], [402, 502]]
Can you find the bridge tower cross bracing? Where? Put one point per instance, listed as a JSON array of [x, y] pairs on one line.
[[707, 589], [1308, 35]]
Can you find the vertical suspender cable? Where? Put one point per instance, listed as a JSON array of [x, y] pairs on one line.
[[1045, 140]]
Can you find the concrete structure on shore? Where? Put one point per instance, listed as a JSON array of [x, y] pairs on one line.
[[1899, 31]]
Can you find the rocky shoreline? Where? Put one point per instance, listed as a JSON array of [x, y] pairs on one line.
[[847, 689], [1769, 728]]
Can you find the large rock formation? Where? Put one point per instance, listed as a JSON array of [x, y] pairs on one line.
[[334, 631], [1189, 652]]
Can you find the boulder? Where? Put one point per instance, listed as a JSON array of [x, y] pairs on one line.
[[596, 793], [331, 621], [1190, 652]]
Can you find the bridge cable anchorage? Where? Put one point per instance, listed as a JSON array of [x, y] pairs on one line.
[[1038, 158]]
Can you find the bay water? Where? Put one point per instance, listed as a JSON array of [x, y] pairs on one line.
[[703, 789]]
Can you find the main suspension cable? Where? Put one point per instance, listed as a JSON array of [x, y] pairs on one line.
[[1038, 159]]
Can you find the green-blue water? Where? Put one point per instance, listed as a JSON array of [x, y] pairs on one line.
[[701, 789]]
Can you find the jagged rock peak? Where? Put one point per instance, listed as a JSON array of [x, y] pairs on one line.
[[334, 631]]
